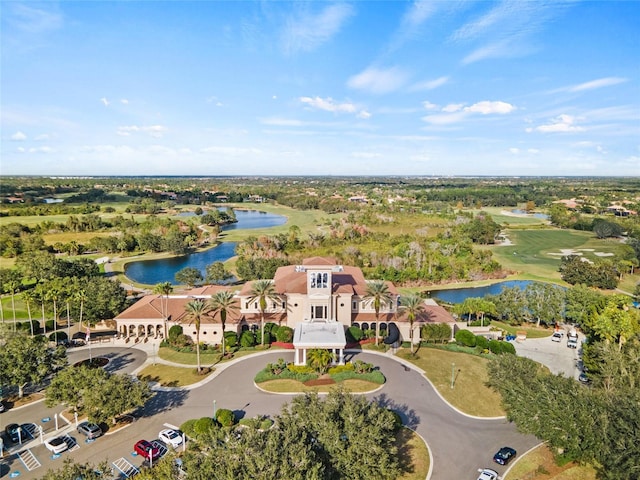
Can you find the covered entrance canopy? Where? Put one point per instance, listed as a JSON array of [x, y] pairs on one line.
[[327, 335]]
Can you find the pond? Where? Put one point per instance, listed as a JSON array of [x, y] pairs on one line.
[[458, 295], [151, 272]]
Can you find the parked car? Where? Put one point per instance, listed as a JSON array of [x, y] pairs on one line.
[[582, 378], [504, 455], [146, 449], [14, 432], [488, 474], [556, 337], [56, 445], [171, 437], [1, 407], [90, 430]]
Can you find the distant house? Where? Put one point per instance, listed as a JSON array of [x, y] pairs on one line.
[[319, 299]]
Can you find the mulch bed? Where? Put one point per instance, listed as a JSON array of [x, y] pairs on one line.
[[319, 381]]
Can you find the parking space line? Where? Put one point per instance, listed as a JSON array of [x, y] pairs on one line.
[[29, 460], [126, 468], [161, 447], [70, 441]]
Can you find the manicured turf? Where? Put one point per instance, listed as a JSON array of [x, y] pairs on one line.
[[539, 463], [284, 385], [470, 377], [413, 452], [170, 376]]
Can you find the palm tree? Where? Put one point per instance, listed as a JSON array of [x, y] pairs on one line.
[[379, 295], [413, 305], [12, 286], [80, 296], [28, 296], [164, 288], [263, 291], [223, 302], [196, 310], [319, 359]]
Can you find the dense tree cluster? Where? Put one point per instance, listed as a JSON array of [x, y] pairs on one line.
[[593, 425], [340, 436], [574, 270]]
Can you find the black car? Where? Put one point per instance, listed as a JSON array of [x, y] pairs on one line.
[[90, 430], [14, 432], [504, 455]]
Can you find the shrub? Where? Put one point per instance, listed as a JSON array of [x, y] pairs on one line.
[[495, 346], [230, 339], [354, 334], [284, 334], [276, 368], [203, 426], [362, 367], [183, 340], [247, 339], [508, 347], [266, 424], [51, 324], [304, 369], [347, 367], [435, 332], [174, 332], [225, 417], [466, 337], [373, 377], [267, 337], [271, 328], [482, 342], [187, 427]]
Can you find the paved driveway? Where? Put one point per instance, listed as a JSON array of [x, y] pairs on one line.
[[459, 444], [555, 355]]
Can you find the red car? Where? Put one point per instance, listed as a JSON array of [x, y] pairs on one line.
[[146, 450]]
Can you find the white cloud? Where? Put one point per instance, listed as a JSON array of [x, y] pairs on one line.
[[377, 80], [487, 107], [155, 131], [562, 123], [514, 150], [456, 112], [43, 137], [430, 84], [429, 106], [452, 107], [18, 137], [306, 31], [599, 83], [34, 20], [41, 150], [533, 151], [363, 114], [124, 101], [328, 104], [282, 122], [104, 101]]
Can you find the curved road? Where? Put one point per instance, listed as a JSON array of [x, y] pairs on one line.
[[459, 444]]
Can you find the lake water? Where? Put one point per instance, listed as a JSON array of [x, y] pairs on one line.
[[458, 295], [151, 272]]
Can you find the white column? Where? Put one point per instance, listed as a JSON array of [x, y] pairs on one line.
[[341, 361]]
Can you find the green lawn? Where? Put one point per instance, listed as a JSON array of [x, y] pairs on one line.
[[532, 330], [539, 463], [414, 454], [170, 376], [286, 385], [470, 378]]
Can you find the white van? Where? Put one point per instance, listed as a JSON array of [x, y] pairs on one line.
[[572, 339]]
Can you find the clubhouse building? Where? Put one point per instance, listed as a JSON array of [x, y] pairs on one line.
[[318, 299]]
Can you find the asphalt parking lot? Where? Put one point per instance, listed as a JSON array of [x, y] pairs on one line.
[[559, 358]]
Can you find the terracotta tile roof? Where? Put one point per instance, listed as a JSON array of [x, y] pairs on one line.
[[319, 261], [431, 314], [371, 317]]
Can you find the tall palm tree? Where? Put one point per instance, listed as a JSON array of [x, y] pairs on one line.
[[319, 359], [196, 310], [29, 297], [223, 302], [263, 291], [412, 305], [80, 296], [379, 295], [164, 288], [12, 286]]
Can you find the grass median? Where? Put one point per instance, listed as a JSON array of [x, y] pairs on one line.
[[170, 376], [467, 373]]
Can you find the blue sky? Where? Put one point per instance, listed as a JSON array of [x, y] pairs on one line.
[[320, 88]]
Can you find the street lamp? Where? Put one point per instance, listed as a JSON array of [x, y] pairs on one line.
[[453, 373], [214, 409]]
